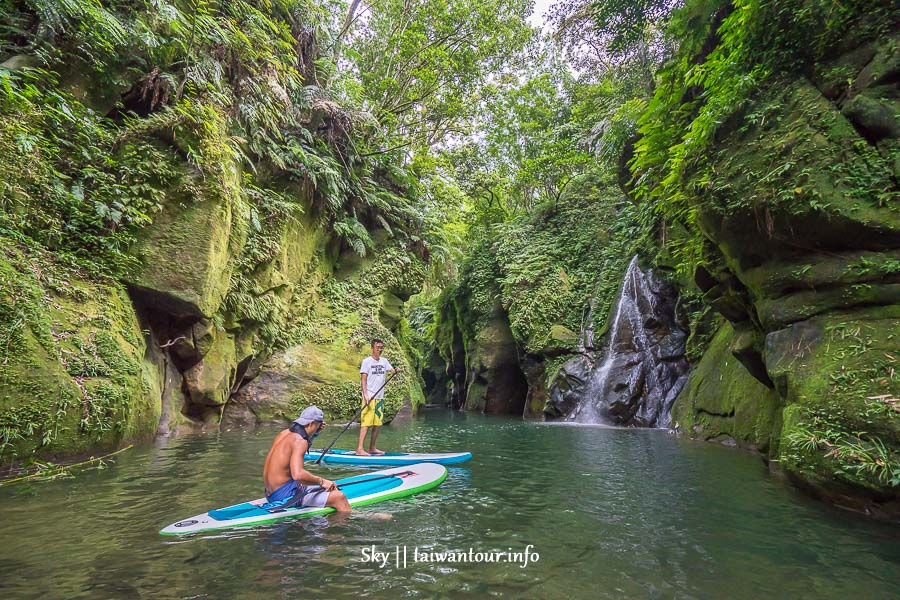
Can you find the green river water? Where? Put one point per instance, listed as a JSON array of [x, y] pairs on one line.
[[611, 513]]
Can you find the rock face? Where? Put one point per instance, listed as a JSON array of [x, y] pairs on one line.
[[634, 382], [324, 375], [496, 384], [480, 370], [74, 376], [723, 402], [187, 256], [804, 212], [187, 340]]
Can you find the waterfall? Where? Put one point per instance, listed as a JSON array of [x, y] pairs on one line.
[[637, 376]]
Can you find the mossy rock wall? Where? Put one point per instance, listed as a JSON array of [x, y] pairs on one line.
[[722, 402], [841, 424], [498, 385], [341, 315], [186, 256], [798, 197], [79, 375], [73, 377]]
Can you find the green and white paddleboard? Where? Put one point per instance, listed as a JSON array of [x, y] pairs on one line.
[[372, 487]]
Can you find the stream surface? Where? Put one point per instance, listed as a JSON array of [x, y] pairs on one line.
[[611, 513]]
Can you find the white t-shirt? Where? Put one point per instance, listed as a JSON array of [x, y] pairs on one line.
[[376, 370]]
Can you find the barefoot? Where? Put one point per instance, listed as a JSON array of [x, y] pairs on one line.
[[375, 452], [362, 453]]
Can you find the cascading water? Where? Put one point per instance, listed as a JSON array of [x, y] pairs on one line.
[[635, 380]]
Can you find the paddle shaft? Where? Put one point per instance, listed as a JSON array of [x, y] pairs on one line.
[[376, 478], [347, 426]]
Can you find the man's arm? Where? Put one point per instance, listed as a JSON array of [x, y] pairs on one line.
[[363, 378], [301, 475]]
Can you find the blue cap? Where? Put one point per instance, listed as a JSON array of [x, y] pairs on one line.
[[310, 414]]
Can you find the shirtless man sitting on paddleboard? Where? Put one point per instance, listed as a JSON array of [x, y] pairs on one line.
[[284, 475]]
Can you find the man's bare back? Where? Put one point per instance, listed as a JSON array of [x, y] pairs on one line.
[[277, 468]]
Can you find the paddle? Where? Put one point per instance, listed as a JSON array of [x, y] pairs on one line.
[[293, 502], [347, 426]]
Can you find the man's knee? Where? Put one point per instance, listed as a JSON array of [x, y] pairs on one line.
[[338, 500]]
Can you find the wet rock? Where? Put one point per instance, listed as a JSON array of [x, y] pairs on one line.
[[208, 383], [671, 346], [534, 368], [721, 399], [642, 370], [875, 118], [567, 387]]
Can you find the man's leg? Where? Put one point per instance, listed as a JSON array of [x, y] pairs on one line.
[[338, 500], [319, 498], [362, 440], [372, 448]]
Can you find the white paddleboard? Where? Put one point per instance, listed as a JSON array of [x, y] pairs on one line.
[[369, 488]]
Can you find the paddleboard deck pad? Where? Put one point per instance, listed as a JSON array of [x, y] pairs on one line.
[[349, 457], [369, 488]]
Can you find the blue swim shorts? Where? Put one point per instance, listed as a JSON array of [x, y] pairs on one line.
[[312, 495]]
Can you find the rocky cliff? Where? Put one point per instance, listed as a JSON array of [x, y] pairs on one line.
[[803, 213], [187, 236]]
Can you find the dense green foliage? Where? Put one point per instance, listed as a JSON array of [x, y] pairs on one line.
[[420, 66], [231, 86], [69, 183], [727, 52]]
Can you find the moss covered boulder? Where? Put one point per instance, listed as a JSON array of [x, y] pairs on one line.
[[839, 378], [208, 383], [497, 384]]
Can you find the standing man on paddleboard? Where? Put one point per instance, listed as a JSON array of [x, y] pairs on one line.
[[371, 374], [284, 475]]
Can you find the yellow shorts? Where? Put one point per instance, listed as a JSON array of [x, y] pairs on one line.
[[372, 414]]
